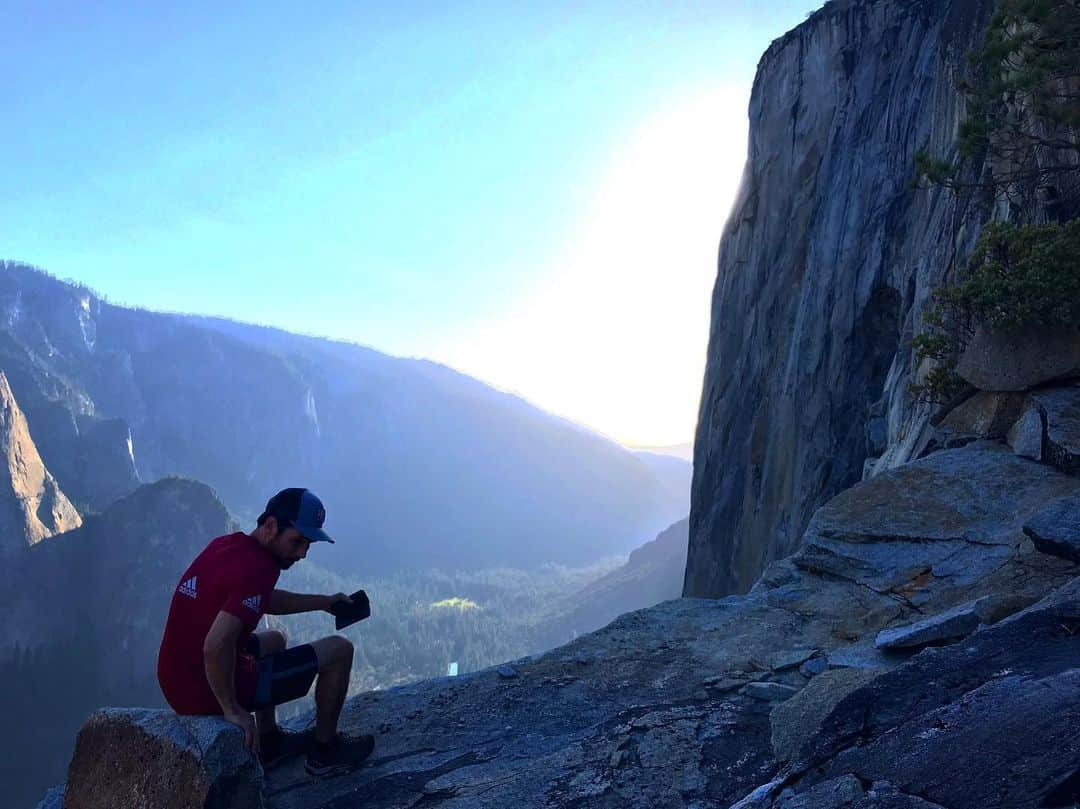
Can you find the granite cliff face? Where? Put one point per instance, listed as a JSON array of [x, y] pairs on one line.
[[825, 268], [32, 506]]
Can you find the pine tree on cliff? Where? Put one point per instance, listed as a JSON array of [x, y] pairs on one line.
[[1023, 121], [1023, 103]]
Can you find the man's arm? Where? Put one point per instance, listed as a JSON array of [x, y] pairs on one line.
[[219, 659], [282, 602]]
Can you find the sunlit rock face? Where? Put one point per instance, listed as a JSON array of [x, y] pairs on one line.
[[825, 269], [32, 506]]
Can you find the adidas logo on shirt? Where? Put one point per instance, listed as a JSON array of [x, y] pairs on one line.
[[188, 587], [253, 603]]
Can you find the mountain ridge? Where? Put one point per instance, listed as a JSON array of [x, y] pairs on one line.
[[395, 447]]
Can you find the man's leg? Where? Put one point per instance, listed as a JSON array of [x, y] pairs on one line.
[[335, 655], [270, 642]]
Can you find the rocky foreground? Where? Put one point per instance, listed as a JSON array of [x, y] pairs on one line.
[[922, 649]]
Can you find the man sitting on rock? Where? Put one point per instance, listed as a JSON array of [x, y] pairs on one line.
[[212, 661]]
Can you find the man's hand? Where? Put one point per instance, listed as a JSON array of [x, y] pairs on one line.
[[334, 599], [282, 602], [246, 722]]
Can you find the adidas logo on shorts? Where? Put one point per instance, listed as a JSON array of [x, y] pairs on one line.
[[188, 587], [253, 603]]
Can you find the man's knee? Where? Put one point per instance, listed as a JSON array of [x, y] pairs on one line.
[[335, 650]]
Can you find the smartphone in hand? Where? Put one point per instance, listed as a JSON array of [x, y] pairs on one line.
[[347, 613]]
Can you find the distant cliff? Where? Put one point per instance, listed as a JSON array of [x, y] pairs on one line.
[[32, 506], [825, 269]]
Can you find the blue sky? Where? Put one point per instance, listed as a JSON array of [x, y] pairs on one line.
[[431, 180]]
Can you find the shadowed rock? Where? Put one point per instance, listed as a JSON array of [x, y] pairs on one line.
[[956, 724], [956, 514], [1016, 361], [1061, 411], [798, 719], [1026, 435], [948, 625], [1056, 529], [984, 415]]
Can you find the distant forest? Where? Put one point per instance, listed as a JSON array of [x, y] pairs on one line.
[[422, 622]]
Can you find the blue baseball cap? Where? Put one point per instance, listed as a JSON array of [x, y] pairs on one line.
[[301, 509]]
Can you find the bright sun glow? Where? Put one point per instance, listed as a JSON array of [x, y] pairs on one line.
[[616, 338]]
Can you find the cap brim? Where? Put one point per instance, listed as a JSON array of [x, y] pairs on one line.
[[312, 534]]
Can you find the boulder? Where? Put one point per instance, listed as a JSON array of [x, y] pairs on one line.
[[956, 515], [945, 626], [791, 659], [1056, 529], [993, 721], [984, 415], [1026, 435], [154, 758], [858, 656], [799, 718], [999, 361], [1030, 723]]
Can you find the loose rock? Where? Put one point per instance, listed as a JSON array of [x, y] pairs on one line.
[[1026, 436], [948, 625], [984, 415], [789, 660], [152, 758], [813, 667], [800, 717], [999, 361], [1056, 529], [1061, 409], [769, 692]]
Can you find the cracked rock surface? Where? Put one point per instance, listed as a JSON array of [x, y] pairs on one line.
[[662, 707]]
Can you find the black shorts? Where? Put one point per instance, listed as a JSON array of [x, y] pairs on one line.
[[283, 676]]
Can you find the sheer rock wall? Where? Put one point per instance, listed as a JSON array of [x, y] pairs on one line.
[[825, 268]]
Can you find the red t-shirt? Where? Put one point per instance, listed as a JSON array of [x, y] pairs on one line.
[[236, 574]]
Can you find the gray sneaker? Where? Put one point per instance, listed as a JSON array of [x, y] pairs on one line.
[[279, 745], [345, 753]]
